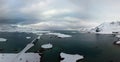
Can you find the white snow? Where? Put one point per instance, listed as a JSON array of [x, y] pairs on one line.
[[27, 57], [70, 58], [21, 56], [107, 28], [46, 46], [118, 42], [3, 39], [60, 35], [28, 37], [23, 29]]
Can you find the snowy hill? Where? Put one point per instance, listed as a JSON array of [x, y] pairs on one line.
[[107, 28]]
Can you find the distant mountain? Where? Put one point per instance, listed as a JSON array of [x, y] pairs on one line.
[[107, 28], [10, 28]]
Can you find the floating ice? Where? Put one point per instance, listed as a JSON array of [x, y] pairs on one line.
[[70, 58], [3, 39], [118, 42], [22, 53], [46, 46], [28, 37], [26, 57], [60, 35]]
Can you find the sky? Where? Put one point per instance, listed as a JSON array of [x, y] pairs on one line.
[[58, 14]]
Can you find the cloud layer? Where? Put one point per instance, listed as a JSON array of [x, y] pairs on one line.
[[58, 14]]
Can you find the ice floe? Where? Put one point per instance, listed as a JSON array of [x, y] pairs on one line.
[[27, 57], [60, 35], [118, 42], [46, 46], [3, 39], [70, 57], [28, 37]]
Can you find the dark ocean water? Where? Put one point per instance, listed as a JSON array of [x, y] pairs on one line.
[[94, 47]]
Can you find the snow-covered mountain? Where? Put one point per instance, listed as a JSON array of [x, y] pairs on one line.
[[107, 28], [10, 28]]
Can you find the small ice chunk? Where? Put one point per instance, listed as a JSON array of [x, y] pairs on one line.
[[46, 46], [70, 58], [118, 42], [28, 37], [3, 39]]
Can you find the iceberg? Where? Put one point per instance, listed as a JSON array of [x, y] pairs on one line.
[[70, 57]]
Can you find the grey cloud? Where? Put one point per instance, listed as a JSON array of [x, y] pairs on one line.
[[83, 10], [10, 14]]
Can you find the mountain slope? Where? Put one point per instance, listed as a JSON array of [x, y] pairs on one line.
[[107, 28]]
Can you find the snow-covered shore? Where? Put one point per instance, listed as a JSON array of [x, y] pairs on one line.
[[70, 57], [107, 28]]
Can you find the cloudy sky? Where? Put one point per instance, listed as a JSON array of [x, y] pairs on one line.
[[58, 14]]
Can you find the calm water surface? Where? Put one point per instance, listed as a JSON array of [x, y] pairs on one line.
[[94, 47]]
